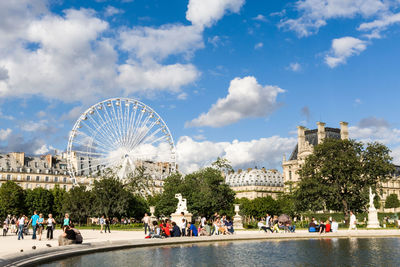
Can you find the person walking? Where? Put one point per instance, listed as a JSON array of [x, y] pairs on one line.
[[102, 222], [107, 221], [183, 224], [353, 221], [39, 224], [50, 227], [146, 221], [21, 223], [33, 222]]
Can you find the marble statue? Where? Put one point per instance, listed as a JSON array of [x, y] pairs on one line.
[[181, 204], [371, 200]]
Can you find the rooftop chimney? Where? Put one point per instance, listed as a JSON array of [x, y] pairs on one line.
[[321, 131], [344, 130], [301, 138]]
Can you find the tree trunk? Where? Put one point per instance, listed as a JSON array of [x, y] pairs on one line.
[[346, 211]]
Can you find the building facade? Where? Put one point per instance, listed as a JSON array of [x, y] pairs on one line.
[[48, 170], [253, 183], [307, 139]]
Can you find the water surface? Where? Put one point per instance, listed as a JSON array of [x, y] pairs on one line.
[[310, 252]]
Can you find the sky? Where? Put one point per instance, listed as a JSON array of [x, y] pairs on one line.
[[231, 78]]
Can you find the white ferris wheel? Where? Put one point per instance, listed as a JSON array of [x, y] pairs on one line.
[[118, 133]]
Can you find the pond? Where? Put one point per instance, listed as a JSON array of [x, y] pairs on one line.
[[310, 252]]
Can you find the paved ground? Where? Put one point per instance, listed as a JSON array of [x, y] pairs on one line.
[[10, 247]]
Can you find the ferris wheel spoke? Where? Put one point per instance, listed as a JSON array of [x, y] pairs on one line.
[[139, 131], [104, 148], [90, 153], [117, 138], [116, 122], [104, 135], [140, 138], [106, 124], [151, 136]]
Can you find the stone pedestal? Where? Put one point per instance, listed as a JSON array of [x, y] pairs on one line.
[[152, 217], [237, 219], [177, 218], [373, 219]]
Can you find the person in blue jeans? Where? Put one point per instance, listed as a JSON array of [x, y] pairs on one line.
[[33, 221], [21, 222]]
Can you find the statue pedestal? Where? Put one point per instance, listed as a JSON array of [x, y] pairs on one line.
[[237, 222], [373, 219], [177, 218]]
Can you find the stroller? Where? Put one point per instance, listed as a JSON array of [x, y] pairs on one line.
[[26, 229]]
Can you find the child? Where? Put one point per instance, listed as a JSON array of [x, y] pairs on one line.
[[5, 228]]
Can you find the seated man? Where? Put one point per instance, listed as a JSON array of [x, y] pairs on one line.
[[229, 226], [263, 226], [193, 229], [176, 231], [68, 237]]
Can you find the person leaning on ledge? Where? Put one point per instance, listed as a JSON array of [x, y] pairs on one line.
[[70, 236]]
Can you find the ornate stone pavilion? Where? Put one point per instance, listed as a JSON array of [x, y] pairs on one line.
[[307, 139], [253, 183]]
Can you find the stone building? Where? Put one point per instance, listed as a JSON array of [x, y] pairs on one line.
[[307, 139], [39, 171], [253, 183], [48, 170]]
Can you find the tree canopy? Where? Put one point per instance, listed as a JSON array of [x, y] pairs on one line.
[[392, 201], [338, 174], [11, 199]]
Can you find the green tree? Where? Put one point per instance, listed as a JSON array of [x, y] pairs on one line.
[[222, 165], [392, 201], [39, 199], [204, 190], [11, 199], [139, 182], [338, 174], [78, 203], [58, 196]]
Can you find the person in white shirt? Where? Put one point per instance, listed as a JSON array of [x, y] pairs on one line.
[[203, 222], [21, 223], [146, 221], [353, 221], [335, 226], [183, 224], [50, 227]]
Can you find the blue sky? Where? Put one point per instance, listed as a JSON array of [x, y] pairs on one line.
[[231, 78]]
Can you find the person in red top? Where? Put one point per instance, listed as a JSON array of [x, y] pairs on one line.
[[165, 229], [327, 226]]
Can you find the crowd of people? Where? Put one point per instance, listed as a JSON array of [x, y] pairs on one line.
[[274, 225], [19, 226], [216, 225], [330, 225]]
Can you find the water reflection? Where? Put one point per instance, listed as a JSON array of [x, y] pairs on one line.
[[311, 252]]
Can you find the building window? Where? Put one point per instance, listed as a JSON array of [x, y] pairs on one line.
[[56, 179], [36, 164], [37, 178], [65, 179], [65, 187], [26, 186], [47, 178], [290, 175], [37, 185], [9, 176], [19, 177], [28, 178]]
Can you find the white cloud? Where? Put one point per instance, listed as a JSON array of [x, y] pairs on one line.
[[6, 117], [246, 99], [258, 45], [111, 11], [159, 43], [264, 152], [343, 48], [136, 78], [294, 66], [315, 13], [4, 134], [204, 13], [381, 23], [44, 149], [260, 17], [73, 114]]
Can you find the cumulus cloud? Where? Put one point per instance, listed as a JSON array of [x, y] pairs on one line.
[[4, 134], [343, 48], [266, 152], [204, 13], [159, 43], [260, 17], [16, 142], [246, 99], [315, 13], [381, 23]]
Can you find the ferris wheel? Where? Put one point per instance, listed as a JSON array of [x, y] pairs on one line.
[[118, 133]]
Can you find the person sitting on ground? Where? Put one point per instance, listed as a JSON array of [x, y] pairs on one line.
[[68, 237], [229, 225], [193, 229], [176, 231], [321, 227], [290, 227], [327, 226], [334, 226], [312, 223], [165, 229], [263, 226]]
